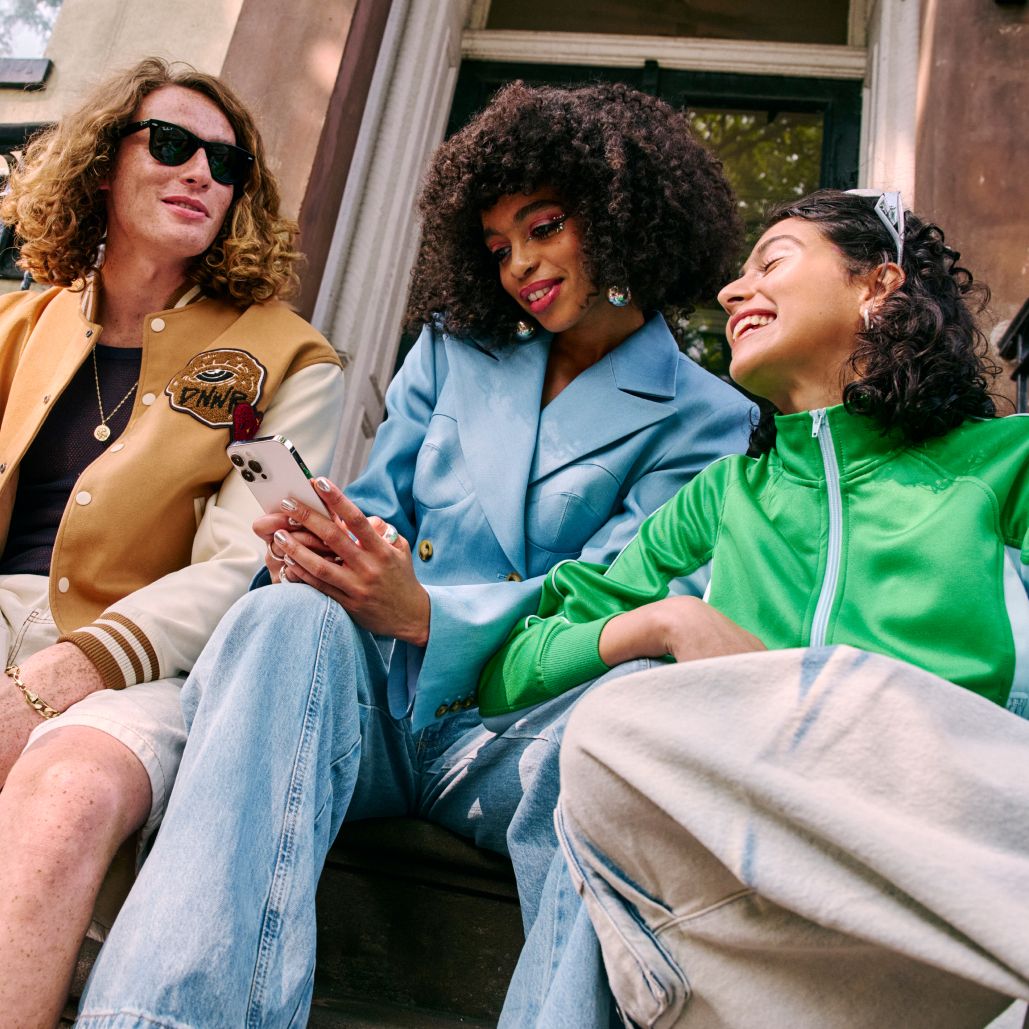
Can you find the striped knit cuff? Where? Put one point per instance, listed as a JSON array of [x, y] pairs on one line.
[[119, 648]]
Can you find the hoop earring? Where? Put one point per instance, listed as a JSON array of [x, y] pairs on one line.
[[619, 296], [525, 330]]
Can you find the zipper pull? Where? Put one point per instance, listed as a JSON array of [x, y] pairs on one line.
[[817, 419]]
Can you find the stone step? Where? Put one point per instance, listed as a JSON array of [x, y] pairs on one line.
[[414, 916], [357, 1014]]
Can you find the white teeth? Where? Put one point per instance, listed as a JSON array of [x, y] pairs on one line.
[[537, 294], [751, 321]]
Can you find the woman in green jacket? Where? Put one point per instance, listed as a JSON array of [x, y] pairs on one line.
[[746, 828]]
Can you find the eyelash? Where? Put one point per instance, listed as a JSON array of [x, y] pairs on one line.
[[548, 228], [542, 230]]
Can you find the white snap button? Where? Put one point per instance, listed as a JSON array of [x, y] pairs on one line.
[[83, 497], [63, 585], [116, 448], [147, 399], [157, 324]]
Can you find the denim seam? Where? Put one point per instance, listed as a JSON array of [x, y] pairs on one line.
[[271, 923], [117, 1017]]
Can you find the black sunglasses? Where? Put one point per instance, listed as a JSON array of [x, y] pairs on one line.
[[173, 145]]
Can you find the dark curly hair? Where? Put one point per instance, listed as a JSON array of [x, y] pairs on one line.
[[655, 210], [923, 366]]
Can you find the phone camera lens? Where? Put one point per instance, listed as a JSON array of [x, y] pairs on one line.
[[236, 460], [255, 466], [248, 475]]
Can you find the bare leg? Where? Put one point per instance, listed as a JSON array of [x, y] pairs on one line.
[[69, 802]]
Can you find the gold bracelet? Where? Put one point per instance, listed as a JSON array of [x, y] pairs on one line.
[[37, 703]]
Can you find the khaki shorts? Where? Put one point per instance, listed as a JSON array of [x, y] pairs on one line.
[[146, 718]]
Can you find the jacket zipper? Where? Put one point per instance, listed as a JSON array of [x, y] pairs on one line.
[[821, 431]]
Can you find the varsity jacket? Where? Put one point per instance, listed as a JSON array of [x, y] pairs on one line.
[[839, 535], [156, 542]]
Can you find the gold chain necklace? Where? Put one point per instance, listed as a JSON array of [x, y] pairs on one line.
[[103, 432]]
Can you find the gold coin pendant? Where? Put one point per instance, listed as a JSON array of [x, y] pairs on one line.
[[102, 433]]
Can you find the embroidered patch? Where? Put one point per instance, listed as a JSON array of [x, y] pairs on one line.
[[213, 383]]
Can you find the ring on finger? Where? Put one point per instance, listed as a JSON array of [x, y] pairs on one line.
[[275, 557], [284, 574], [390, 534]]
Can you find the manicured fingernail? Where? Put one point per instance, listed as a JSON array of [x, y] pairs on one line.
[[287, 560], [293, 522], [281, 538], [288, 505], [323, 484]]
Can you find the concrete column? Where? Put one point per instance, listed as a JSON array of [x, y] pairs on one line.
[[364, 289]]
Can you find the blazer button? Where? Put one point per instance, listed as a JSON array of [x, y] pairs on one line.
[[425, 549], [442, 710], [513, 577]]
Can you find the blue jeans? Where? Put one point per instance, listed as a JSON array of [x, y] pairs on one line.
[[560, 979], [290, 734]]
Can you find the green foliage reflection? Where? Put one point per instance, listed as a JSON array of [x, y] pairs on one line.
[[768, 156]]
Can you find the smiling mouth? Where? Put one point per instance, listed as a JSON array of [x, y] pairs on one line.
[[540, 298], [749, 323]]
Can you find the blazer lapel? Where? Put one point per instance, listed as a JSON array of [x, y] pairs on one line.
[[497, 397], [624, 392]]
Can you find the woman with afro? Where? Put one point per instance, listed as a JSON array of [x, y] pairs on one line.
[[543, 413]]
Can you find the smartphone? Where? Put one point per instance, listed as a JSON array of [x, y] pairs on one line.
[[273, 469]]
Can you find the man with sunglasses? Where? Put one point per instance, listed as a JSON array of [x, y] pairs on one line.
[[152, 214]]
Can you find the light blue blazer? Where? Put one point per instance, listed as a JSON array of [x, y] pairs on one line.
[[491, 492]]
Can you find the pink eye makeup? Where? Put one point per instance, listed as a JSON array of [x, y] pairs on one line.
[[547, 225], [500, 252]]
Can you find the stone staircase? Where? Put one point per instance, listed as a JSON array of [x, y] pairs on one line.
[[417, 929]]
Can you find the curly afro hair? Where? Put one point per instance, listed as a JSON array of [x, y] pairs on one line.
[[655, 211], [922, 367]]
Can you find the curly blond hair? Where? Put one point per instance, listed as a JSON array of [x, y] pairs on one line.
[[58, 208]]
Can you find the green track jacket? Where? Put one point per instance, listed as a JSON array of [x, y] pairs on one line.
[[839, 535]]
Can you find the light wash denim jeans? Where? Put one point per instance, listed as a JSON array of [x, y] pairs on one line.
[[560, 979], [290, 734]]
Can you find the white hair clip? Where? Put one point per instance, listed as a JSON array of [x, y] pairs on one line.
[[889, 206]]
